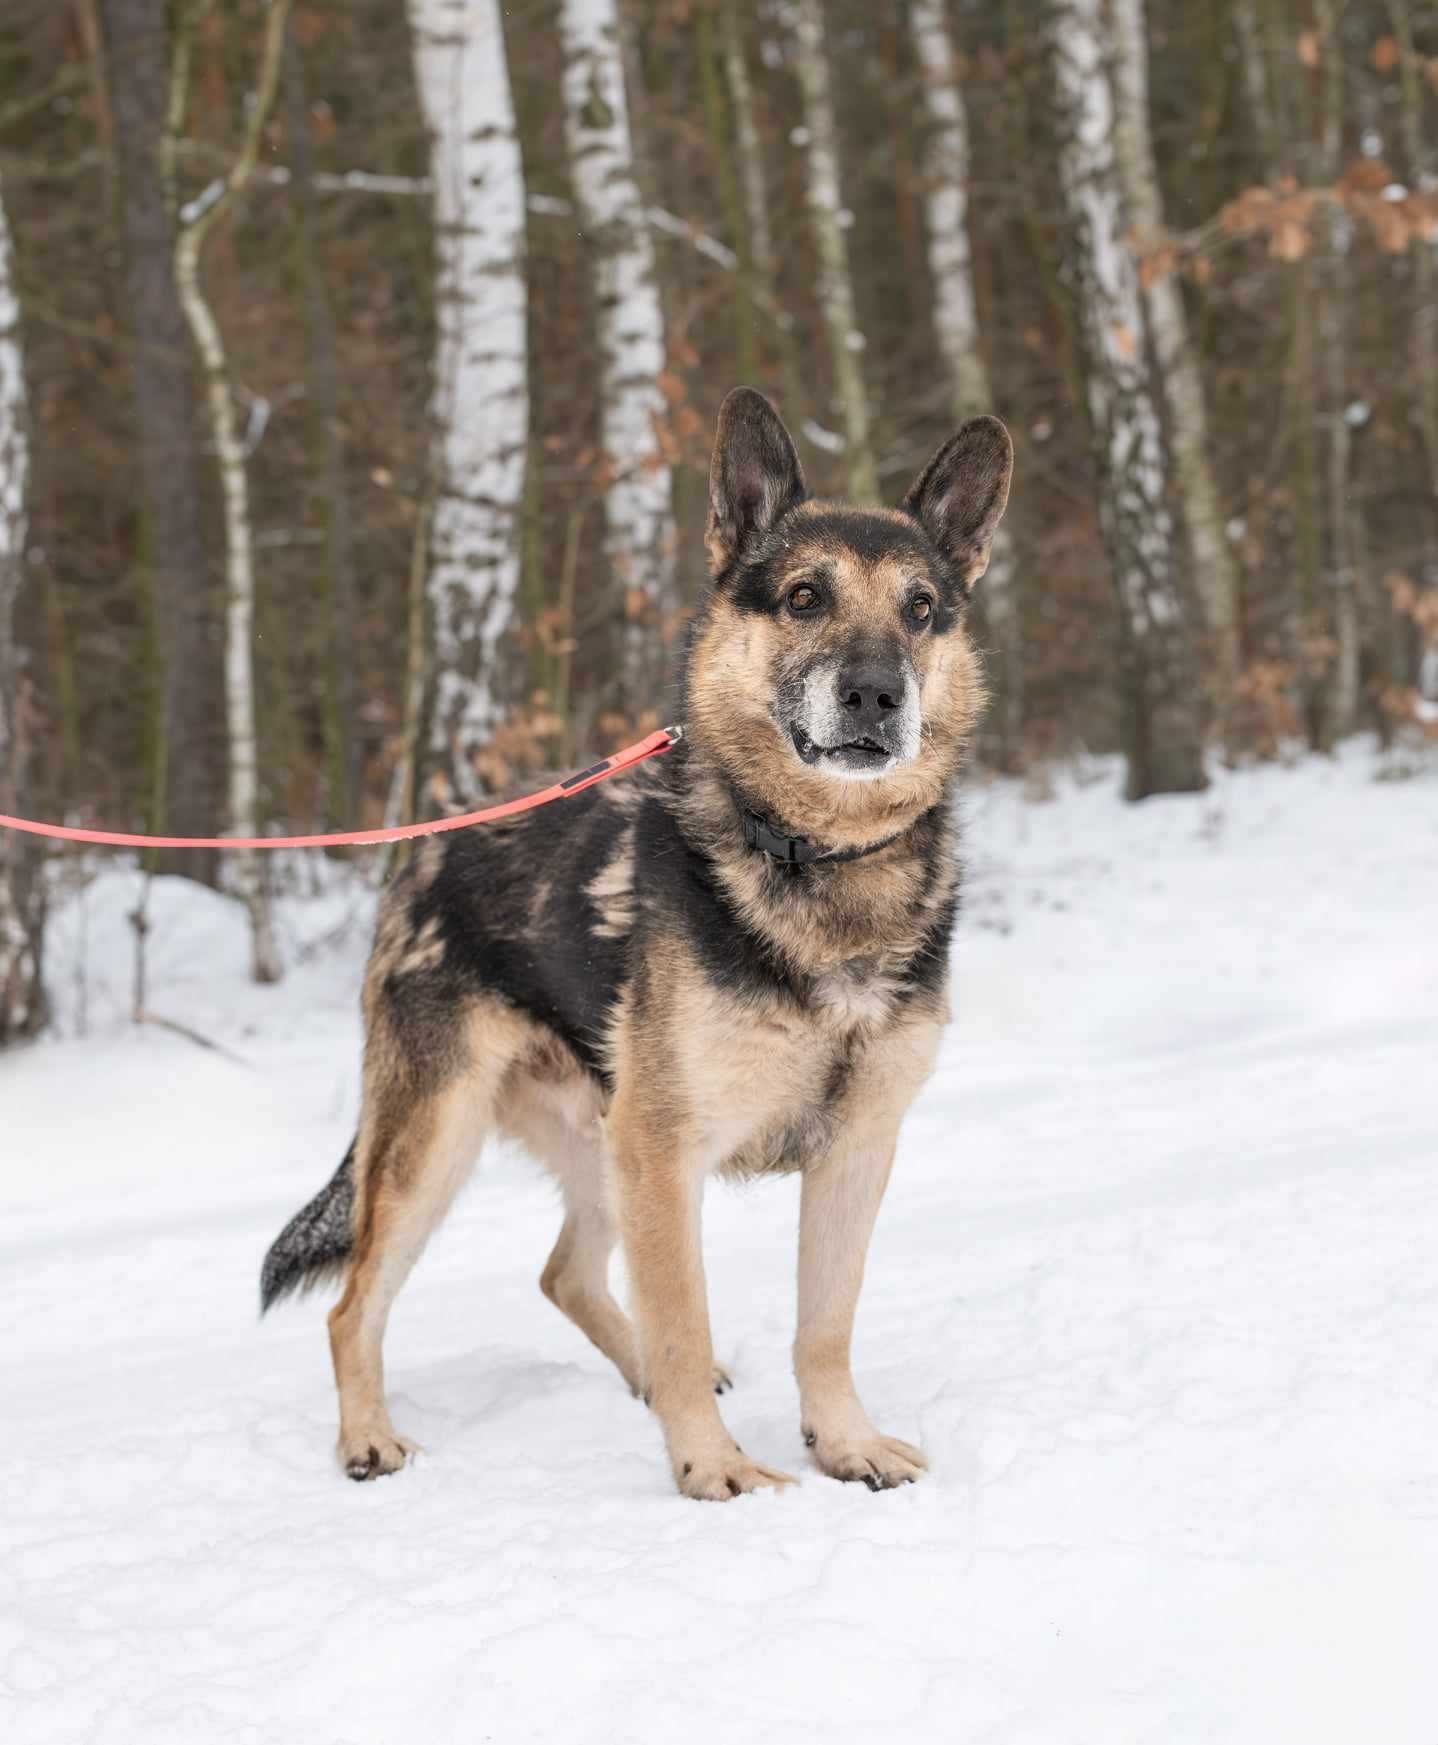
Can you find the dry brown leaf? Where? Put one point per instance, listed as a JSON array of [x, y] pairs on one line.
[[1307, 47], [1289, 241], [1385, 54], [1366, 176]]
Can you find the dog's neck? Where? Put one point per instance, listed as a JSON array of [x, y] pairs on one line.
[[833, 903]]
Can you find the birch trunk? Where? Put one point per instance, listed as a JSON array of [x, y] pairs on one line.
[[830, 218], [1159, 676], [946, 200], [21, 1002], [629, 329], [480, 396], [1215, 572], [197, 222]]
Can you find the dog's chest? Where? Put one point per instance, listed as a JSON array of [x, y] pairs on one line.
[[786, 1083], [858, 995]]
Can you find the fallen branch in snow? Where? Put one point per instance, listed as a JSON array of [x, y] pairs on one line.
[[197, 1037]]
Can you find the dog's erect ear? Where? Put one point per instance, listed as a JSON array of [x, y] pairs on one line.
[[754, 477], [959, 497]]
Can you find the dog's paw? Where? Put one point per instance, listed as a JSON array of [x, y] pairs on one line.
[[881, 1462], [715, 1476], [373, 1453]]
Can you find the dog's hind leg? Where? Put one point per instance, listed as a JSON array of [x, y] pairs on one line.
[[576, 1276], [421, 1129], [555, 1116], [562, 1132]]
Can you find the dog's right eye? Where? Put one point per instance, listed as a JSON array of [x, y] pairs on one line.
[[804, 598]]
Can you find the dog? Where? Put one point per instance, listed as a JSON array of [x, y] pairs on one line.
[[734, 961]]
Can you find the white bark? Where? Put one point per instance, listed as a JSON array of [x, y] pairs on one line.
[[956, 322], [197, 220], [480, 405], [830, 218], [1163, 735], [629, 320], [19, 969], [1215, 572]]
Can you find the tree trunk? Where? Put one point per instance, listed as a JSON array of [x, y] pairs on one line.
[[342, 734], [1420, 155], [1215, 572], [198, 220], [21, 908], [1341, 584], [186, 782], [1159, 670], [629, 332], [830, 218], [946, 200], [480, 394]]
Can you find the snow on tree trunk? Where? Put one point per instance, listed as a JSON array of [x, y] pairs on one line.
[[197, 221], [20, 997], [629, 329], [830, 218], [1214, 569], [480, 400], [946, 200], [1159, 677]]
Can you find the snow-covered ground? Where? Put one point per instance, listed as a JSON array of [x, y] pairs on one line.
[[1156, 1286]]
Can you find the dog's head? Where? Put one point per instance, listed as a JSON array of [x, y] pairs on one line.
[[830, 674]]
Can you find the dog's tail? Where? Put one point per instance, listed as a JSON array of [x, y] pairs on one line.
[[316, 1242]]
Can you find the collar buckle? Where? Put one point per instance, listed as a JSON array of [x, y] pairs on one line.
[[792, 850]]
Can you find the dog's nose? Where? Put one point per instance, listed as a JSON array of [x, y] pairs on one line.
[[869, 693]]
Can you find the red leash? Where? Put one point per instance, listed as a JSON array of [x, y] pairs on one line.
[[651, 746]]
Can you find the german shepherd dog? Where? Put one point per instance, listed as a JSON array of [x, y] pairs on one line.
[[735, 961]]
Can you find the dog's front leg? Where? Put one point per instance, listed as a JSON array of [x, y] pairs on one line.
[[839, 1201], [660, 1193]]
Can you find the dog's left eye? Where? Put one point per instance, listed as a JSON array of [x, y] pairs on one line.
[[804, 598], [921, 609]]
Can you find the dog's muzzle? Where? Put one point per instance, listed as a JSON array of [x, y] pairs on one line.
[[857, 720]]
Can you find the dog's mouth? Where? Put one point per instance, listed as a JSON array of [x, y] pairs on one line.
[[863, 753]]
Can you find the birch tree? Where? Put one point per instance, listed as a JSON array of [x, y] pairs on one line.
[[629, 323], [197, 221], [20, 996], [830, 219], [480, 394], [1159, 678], [1214, 570], [956, 325]]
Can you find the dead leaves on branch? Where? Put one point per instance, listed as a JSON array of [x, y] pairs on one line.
[[1286, 216]]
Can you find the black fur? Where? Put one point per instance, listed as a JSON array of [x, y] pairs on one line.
[[315, 1243]]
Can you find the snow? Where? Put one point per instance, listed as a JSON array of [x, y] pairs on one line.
[[1154, 1287]]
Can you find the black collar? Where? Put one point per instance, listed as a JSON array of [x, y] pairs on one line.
[[798, 850]]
